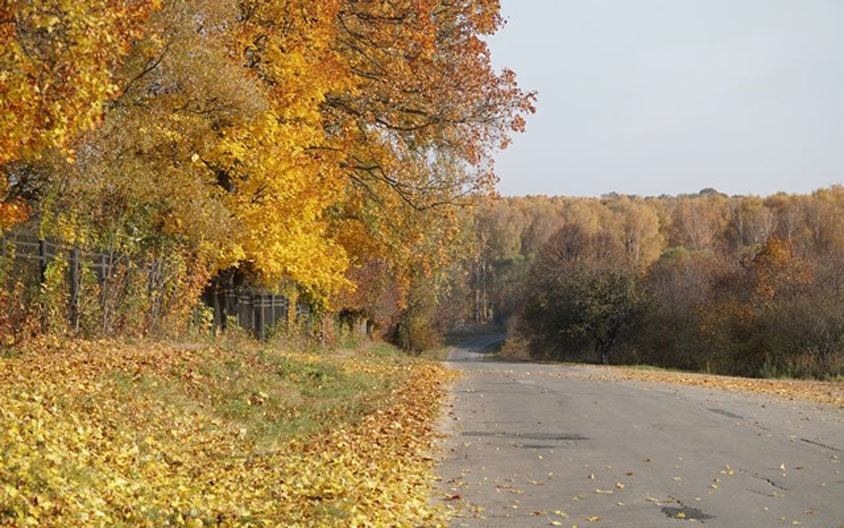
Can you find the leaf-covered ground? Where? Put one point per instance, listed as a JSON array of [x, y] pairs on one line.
[[110, 434], [827, 392], [816, 391]]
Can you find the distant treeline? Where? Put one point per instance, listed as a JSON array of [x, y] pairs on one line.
[[735, 285]]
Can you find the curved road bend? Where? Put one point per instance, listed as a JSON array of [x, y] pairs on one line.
[[536, 445]]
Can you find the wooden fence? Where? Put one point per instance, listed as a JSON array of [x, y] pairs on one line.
[[31, 260], [254, 310]]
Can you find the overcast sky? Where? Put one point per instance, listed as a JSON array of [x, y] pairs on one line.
[[670, 96]]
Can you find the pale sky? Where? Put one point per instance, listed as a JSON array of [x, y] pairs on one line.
[[670, 96]]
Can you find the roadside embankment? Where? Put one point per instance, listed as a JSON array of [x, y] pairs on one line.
[[112, 434]]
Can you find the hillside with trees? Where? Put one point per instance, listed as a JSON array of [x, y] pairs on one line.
[[734, 285]]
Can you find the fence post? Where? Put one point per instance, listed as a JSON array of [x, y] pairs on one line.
[[102, 277], [42, 268], [74, 290], [42, 260], [223, 305], [258, 310], [254, 300], [218, 310], [262, 317], [243, 311]]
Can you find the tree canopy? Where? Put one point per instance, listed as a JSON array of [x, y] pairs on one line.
[[295, 141]]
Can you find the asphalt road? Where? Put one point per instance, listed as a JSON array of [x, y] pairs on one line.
[[536, 445]]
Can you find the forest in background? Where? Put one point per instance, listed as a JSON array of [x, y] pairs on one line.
[[731, 285]]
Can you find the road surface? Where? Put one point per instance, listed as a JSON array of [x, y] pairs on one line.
[[542, 445]]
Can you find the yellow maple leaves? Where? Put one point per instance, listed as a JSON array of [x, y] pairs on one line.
[[52, 84], [289, 140], [108, 434], [57, 62]]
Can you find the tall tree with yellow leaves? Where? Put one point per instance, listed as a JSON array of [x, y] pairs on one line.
[[424, 113]]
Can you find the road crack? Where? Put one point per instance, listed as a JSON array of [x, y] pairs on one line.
[[771, 482], [819, 444]]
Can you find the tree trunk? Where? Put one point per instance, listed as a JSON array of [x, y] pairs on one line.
[[603, 350]]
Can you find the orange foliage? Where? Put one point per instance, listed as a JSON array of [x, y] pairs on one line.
[[344, 131], [776, 270], [57, 61]]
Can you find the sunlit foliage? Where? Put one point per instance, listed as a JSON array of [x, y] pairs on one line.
[[292, 141], [105, 434], [743, 285]]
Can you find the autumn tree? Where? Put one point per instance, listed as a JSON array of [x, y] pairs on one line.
[[425, 111], [739, 319], [639, 230], [678, 288], [503, 224], [581, 296], [726, 284], [57, 65], [697, 222], [236, 174]]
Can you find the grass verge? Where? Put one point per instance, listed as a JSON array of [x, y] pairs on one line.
[[111, 434], [826, 392]]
